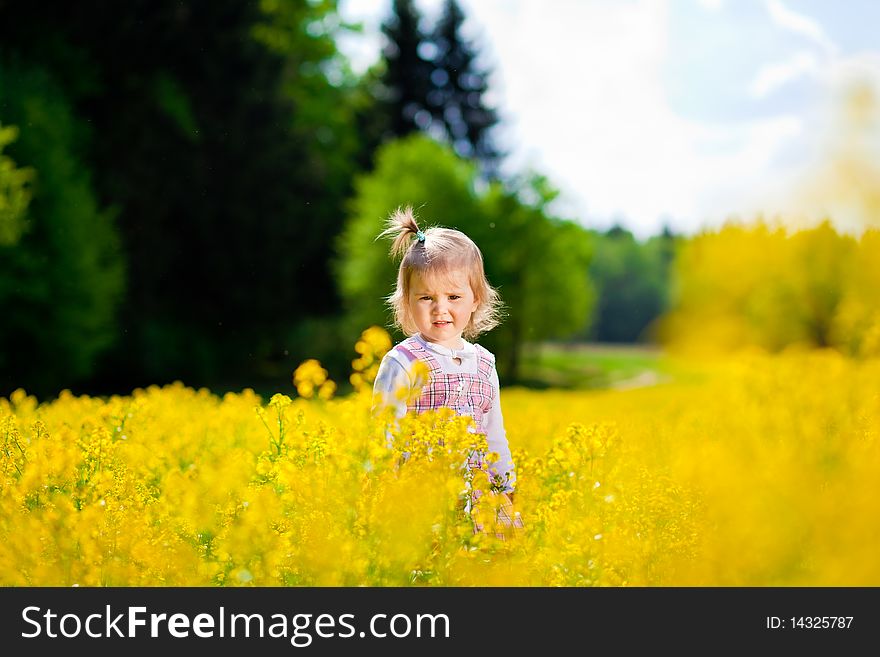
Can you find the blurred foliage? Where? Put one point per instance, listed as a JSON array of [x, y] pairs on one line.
[[632, 281], [528, 255], [534, 259], [15, 190], [224, 136], [60, 285], [766, 286]]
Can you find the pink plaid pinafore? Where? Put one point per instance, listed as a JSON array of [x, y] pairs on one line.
[[466, 394]]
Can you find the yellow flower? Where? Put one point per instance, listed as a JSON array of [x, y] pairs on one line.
[[326, 390], [279, 401], [374, 343], [308, 377]]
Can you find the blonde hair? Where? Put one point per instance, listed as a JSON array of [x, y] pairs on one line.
[[436, 252]]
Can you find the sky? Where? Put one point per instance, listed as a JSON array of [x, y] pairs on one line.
[[679, 113]]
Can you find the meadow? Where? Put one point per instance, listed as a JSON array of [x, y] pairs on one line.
[[754, 469]]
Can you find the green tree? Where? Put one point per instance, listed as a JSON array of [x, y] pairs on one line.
[[15, 191], [537, 261], [533, 259], [660, 251], [632, 283], [60, 285], [413, 171]]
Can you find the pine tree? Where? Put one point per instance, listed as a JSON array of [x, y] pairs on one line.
[[408, 69], [457, 100]]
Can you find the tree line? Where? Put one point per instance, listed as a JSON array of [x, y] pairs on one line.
[[192, 190]]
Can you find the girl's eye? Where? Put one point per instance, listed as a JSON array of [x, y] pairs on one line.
[[453, 297], [424, 298]]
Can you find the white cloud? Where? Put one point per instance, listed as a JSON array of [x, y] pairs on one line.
[[585, 89], [711, 5], [583, 83], [742, 182], [800, 24], [773, 76]]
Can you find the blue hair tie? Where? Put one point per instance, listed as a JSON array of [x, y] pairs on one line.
[[420, 236]]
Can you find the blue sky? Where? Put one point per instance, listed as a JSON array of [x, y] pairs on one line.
[[678, 112]]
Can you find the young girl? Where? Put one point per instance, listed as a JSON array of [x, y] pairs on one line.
[[442, 296]]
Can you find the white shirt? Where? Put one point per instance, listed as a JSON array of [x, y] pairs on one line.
[[394, 374]]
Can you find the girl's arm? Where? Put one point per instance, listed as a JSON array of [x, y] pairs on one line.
[[390, 379], [496, 436]]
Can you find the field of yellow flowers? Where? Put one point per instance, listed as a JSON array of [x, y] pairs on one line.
[[758, 470]]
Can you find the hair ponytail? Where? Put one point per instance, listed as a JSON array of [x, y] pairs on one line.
[[399, 226]]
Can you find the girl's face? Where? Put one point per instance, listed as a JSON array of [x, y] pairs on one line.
[[442, 307]]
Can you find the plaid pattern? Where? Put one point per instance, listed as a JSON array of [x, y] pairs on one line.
[[465, 393], [507, 522], [492, 513]]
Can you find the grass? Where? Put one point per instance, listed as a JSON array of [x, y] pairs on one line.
[[545, 365], [592, 365]]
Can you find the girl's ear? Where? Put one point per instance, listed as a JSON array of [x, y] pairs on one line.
[[477, 300]]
